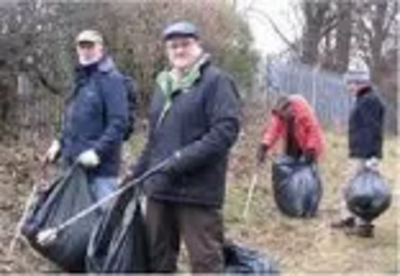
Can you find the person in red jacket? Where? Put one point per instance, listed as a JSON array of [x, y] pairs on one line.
[[293, 119]]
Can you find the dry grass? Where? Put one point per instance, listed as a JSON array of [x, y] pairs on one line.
[[17, 173], [309, 246], [299, 246]]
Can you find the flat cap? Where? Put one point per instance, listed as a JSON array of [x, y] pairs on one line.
[[181, 28]]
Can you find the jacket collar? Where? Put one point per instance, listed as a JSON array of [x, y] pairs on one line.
[[105, 65], [364, 91], [169, 85]]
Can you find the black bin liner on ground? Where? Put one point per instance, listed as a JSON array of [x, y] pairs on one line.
[[241, 260], [119, 242], [367, 195], [68, 195], [297, 187]]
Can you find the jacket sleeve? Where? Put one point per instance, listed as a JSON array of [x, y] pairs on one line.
[[223, 110], [273, 131], [116, 113], [314, 141], [372, 127]]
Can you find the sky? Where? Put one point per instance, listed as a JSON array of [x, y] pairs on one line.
[[267, 41]]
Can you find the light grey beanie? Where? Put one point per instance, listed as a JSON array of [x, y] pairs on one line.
[[358, 71]]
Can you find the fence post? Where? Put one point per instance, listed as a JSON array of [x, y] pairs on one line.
[[314, 88]]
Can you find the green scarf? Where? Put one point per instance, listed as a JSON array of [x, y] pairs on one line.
[[170, 85]]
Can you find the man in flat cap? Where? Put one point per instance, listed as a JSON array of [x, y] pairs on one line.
[[194, 122]]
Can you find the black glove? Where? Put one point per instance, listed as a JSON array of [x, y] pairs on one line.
[[171, 168], [261, 153], [309, 156]]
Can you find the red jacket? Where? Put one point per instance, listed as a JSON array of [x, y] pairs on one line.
[[308, 132]]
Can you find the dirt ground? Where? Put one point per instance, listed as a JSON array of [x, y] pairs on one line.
[[299, 246]]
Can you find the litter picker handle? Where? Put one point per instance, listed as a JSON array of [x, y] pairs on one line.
[[253, 184], [250, 194], [129, 183], [17, 232]]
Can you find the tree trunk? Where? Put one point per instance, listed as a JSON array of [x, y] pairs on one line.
[[343, 37]]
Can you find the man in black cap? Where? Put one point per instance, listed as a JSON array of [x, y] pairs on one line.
[[194, 121]]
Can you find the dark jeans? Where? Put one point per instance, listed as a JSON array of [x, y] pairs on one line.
[[201, 228]]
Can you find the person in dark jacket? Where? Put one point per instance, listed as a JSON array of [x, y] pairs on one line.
[[366, 136], [194, 121], [95, 117]]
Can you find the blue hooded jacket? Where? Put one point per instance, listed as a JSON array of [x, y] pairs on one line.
[[96, 116]]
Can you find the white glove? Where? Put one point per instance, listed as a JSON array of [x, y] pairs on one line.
[[89, 159], [372, 163], [53, 151]]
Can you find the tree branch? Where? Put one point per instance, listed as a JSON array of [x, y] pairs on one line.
[[38, 75], [392, 18], [331, 23], [274, 26]]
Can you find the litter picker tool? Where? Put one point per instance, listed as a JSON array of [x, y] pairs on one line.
[[250, 193], [47, 236]]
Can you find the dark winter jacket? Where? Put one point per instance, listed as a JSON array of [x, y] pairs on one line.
[[96, 116], [203, 124], [366, 126]]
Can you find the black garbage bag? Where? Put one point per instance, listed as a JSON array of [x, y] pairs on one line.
[[241, 260], [367, 195], [69, 194], [118, 243], [297, 187]]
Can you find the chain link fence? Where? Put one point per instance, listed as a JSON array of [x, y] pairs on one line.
[[324, 90]]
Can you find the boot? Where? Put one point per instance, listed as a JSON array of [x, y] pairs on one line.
[[363, 231]]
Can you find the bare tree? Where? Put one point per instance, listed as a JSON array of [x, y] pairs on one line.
[[320, 18], [37, 39], [343, 36], [376, 21]]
